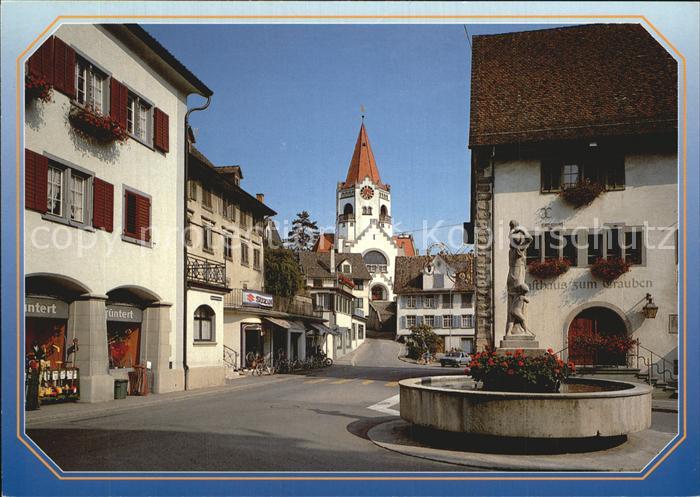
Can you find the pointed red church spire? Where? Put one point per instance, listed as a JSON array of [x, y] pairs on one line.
[[362, 164]]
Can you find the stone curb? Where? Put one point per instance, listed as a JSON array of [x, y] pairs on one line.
[[632, 456]]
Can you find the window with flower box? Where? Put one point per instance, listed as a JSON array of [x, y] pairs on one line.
[[91, 86], [619, 241], [604, 167]]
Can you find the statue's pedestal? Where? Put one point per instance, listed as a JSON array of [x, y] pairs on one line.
[[526, 343]]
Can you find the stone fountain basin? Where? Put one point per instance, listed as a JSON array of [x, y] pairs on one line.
[[452, 404]]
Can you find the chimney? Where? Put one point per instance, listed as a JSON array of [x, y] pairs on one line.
[[260, 197], [332, 263]]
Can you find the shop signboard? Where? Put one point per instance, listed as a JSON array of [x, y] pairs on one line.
[[124, 313], [256, 299], [45, 307]]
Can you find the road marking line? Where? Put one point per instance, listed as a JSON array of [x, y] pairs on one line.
[[340, 382], [384, 406], [316, 381], [367, 382], [392, 384]]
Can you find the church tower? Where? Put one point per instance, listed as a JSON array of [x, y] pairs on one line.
[[363, 218]]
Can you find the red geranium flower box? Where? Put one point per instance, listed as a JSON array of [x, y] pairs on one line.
[[582, 193], [90, 124], [550, 268], [37, 89], [609, 269]]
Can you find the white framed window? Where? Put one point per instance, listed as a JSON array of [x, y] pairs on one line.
[[207, 236], [467, 321], [204, 324], [78, 198], [429, 320], [411, 302], [570, 175], [55, 191], [447, 321], [410, 321], [429, 302], [228, 246], [91, 86]]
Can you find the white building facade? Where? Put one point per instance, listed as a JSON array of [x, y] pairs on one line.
[[437, 291], [521, 169], [104, 185]]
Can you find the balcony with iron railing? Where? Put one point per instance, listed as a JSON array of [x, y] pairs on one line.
[[205, 272], [345, 218], [384, 219]]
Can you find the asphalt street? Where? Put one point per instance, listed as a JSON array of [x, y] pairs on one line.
[[311, 422]]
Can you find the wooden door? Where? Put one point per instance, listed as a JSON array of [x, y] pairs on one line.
[[581, 355]]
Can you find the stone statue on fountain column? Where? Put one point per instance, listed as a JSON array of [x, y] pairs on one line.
[[519, 240]]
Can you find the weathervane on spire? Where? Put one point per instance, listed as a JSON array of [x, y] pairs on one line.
[[362, 112]]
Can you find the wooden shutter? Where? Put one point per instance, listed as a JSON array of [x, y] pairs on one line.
[[36, 171], [143, 218], [402, 323], [103, 205], [118, 101], [437, 322], [64, 68], [40, 64], [161, 131]]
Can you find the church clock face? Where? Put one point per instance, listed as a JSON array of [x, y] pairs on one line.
[[367, 192]]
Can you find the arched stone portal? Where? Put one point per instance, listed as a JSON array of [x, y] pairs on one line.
[[589, 322]]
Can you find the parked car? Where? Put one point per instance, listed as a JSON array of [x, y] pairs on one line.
[[454, 358]]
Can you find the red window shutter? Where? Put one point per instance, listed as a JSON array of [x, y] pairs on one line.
[[118, 100], [41, 63], [64, 68], [103, 205], [143, 218], [36, 172], [161, 134]]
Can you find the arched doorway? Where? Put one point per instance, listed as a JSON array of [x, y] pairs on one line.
[[379, 292], [589, 323]]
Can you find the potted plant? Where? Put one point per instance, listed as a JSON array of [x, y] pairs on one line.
[[595, 346], [609, 269], [517, 372], [37, 89], [91, 124], [582, 193], [550, 268]]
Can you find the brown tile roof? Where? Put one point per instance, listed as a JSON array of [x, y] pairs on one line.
[[362, 164], [317, 265], [408, 272], [406, 244], [573, 82], [324, 242]]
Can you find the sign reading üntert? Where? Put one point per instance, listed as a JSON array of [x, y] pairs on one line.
[[124, 313], [256, 299], [45, 307]]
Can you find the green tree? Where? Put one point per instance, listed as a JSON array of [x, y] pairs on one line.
[[422, 339], [303, 234], [282, 273]]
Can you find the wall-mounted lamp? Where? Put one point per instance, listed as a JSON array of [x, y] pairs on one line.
[[650, 308]]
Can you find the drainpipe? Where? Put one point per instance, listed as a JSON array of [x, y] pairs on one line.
[[185, 316]]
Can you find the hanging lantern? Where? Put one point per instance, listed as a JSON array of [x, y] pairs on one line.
[[650, 308]]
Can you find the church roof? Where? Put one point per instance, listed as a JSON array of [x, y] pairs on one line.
[[362, 164], [324, 243]]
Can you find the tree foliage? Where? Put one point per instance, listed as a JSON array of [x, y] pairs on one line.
[[303, 234], [282, 273], [422, 339]]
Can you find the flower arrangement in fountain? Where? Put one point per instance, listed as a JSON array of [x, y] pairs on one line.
[[582, 193], [549, 268], [518, 372], [609, 269], [93, 125], [37, 89]]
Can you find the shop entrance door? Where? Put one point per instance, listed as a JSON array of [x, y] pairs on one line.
[[253, 344]]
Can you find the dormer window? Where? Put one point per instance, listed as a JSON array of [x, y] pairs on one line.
[[345, 268]]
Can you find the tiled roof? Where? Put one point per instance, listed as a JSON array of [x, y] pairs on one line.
[[324, 242], [408, 272], [317, 265], [406, 244], [362, 164], [573, 82], [231, 170]]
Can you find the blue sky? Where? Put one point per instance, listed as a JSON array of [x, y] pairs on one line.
[[286, 107]]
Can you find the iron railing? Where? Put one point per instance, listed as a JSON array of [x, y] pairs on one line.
[[385, 219], [206, 271], [231, 358], [377, 268]]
